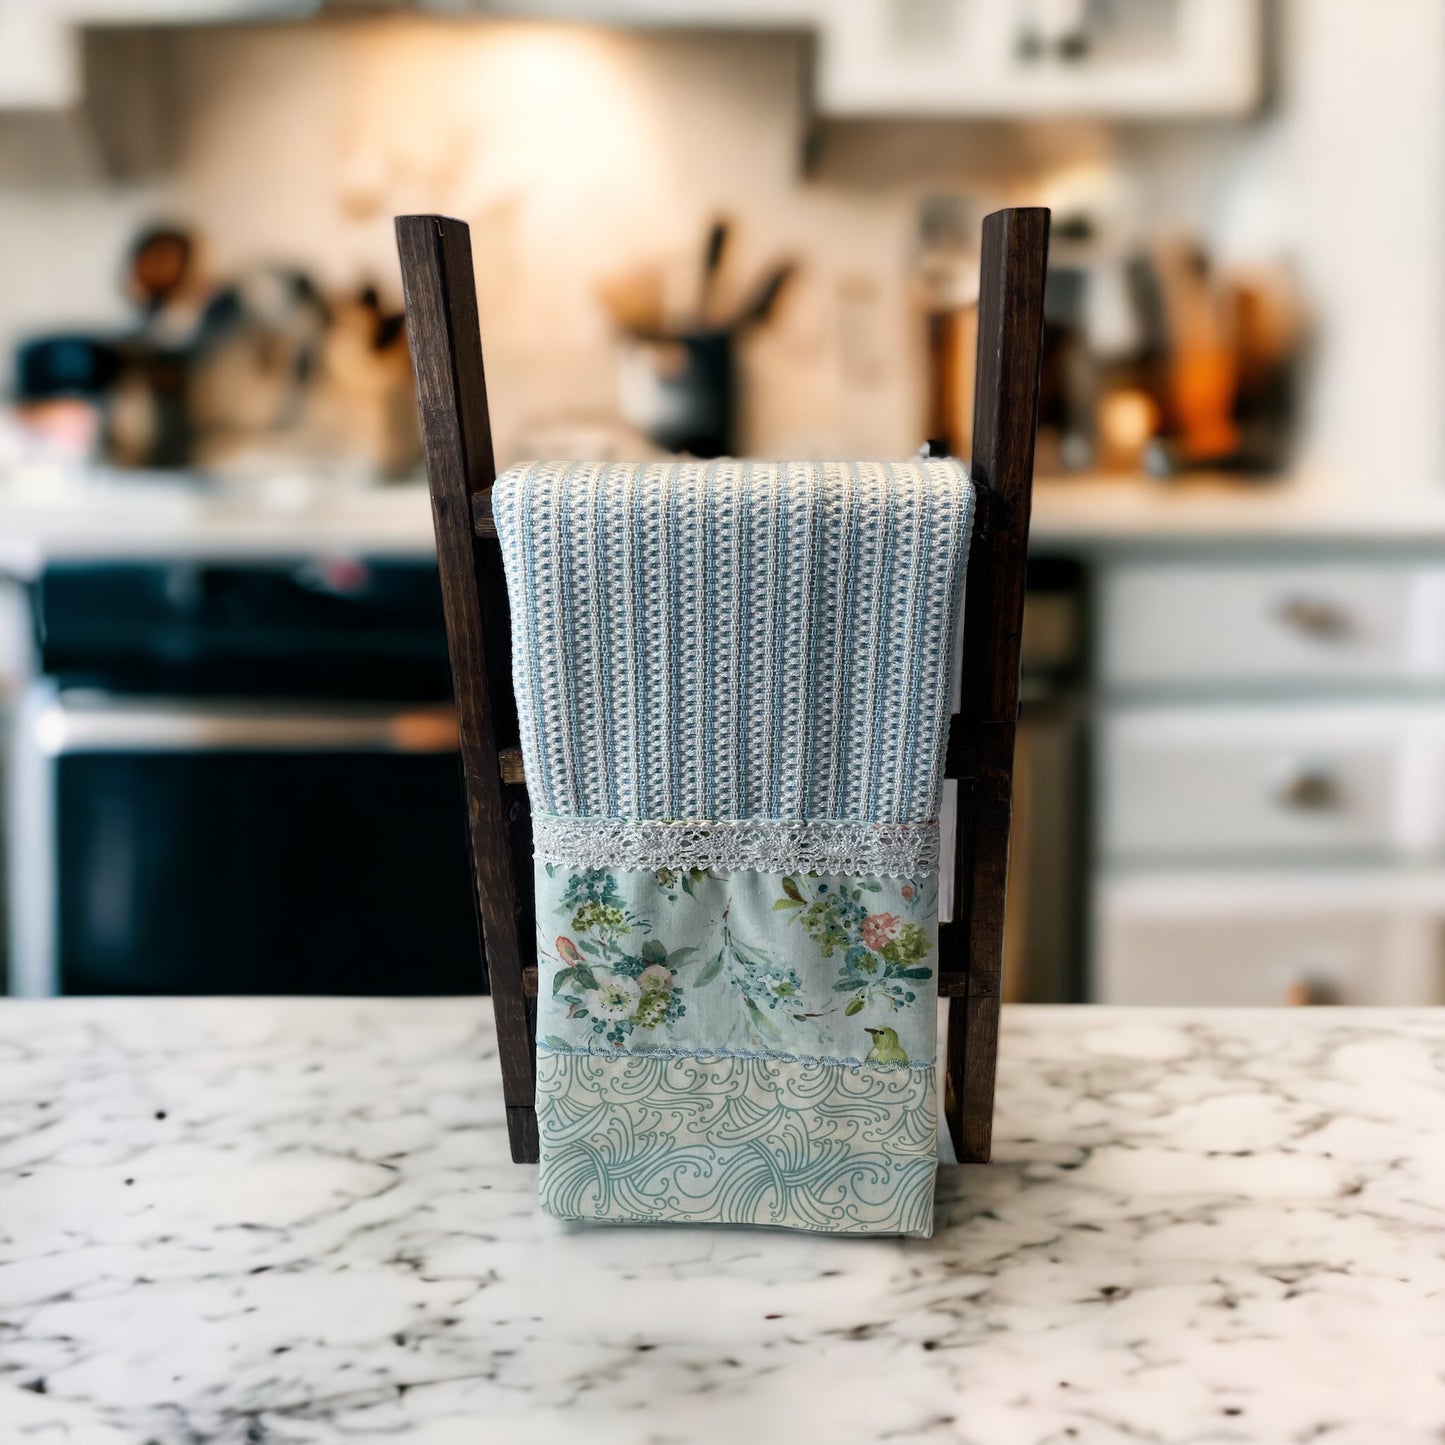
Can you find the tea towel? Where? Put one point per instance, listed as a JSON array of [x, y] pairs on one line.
[[732, 684]]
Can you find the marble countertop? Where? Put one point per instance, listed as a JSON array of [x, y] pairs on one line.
[[1092, 513], [111, 515], [293, 1222]]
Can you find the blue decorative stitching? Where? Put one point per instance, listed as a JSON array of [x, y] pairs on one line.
[[706, 1055]]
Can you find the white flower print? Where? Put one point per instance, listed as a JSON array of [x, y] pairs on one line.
[[614, 999]]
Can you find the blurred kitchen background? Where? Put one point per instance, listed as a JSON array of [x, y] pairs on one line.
[[721, 227]]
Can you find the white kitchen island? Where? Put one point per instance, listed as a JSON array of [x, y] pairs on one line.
[[278, 1220]]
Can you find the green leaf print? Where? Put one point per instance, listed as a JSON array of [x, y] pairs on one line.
[[580, 974], [761, 1022]]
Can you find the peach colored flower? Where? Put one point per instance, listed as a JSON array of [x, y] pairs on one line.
[[908, 891], [878, 928], [656, 977], [569, 950]]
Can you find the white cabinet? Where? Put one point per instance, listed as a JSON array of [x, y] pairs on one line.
[[1220, 624], [1151, 58], [749, 14], [180, 12], [957, 58], [40, 66], [39, 58], [1266, 939], [1270, 779], [1296, 781]]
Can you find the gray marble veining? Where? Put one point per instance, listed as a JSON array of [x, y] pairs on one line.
[[293, 1222]]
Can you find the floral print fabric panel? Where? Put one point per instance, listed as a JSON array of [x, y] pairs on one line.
[[793, 964], [739, 1048]]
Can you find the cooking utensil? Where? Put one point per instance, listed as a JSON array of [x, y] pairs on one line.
[[717, 238], [765, 297]]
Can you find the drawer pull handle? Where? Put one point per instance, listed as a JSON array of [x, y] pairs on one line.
[[1311, 790], [1315, 618]]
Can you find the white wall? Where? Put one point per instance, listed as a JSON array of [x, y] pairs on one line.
[[1366, 168], [574, 152], [63, 231]]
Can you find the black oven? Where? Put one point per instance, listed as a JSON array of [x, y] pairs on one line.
[[239, 778]]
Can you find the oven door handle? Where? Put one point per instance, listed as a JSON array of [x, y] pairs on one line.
[[186, 725]]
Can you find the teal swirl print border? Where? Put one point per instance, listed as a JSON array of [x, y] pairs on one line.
[[737, 1140]]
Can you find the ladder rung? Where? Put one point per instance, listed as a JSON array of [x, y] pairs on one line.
[[482, 519]]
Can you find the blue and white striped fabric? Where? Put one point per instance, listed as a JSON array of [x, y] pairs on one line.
[[734, 639], [732, 680]]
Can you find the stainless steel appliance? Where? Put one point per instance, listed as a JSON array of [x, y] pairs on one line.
[[236, 779]]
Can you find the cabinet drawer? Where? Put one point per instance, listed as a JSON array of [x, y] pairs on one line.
[[1288, 782], [1262, 947], [1185, 623]]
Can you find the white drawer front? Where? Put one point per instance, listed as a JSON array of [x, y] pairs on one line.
[[1183, 623], [1287, 782], [1249, 962], [1265, 952]]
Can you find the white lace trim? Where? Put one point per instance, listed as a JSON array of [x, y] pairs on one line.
[[758, 845]]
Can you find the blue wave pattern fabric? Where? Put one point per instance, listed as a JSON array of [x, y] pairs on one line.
[[732, 680]]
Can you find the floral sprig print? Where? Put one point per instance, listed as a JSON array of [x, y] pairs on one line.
[[618, 983], [763, 983], [674, 881], [614, 990], [598, 914], [882, 953]]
